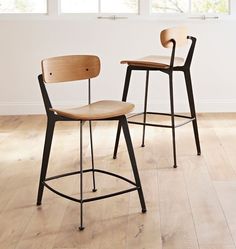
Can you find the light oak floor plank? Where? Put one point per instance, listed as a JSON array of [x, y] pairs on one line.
[[226, 193], [177, 225], [209, 219]]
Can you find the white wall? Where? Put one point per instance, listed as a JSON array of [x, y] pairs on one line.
[[25, 42]]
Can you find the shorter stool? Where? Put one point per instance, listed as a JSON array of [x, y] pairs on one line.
[[74, 68]]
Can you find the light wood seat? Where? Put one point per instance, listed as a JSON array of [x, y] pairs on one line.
[[98, 110], [155, 61]]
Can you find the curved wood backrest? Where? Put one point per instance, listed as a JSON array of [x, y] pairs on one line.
[[70, 68], [179, 34]]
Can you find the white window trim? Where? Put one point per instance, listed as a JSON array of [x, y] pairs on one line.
[[54, 12]]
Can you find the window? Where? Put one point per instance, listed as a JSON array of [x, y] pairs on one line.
[[126, 8], [213, 6], [190, 6], [99, 6], [23, 6]]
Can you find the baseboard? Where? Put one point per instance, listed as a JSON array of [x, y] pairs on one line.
[[204, 105], [21, 108]]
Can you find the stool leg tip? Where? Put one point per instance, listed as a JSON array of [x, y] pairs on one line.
[[199, 153], [175, 166], [94, 190], [114, 157], [144, 211], [81, 228], [143, 145]]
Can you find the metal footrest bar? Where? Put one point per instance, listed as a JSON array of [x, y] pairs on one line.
[[115, 175], [184, 123], [168, 114], [93, 198], [66, 174], [134, 115], [190, 119], [159, 113], [90, 170], [149, 124], [111, 195]]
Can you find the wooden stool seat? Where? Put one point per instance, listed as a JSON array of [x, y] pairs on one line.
[[98, 110], [155, 61]]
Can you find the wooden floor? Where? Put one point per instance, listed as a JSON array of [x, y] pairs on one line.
[[191, 207]]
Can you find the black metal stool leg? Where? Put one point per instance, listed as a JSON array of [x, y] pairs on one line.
[[188, 82], [92, 157], [117, 141], [145, 107], [125, 127], [46, 154], [172, 117], [124, 98], [81, 176]]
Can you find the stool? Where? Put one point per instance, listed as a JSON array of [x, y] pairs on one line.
[[173, 38], [72, 68]]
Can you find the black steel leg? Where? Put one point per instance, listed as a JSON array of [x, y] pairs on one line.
[[92, 157], [124, 97], [172, 116], [81, 176], [192, 108], [117, 141], [125, 127], [145, 108], [46, 153]]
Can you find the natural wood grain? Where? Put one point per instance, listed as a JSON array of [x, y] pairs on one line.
[[79, 67], [70, 68], [192, 206], [98, 110], [226, 193], [179, 34], [227, 137], [43, 226], [211, 225], [215, 156], [177, 225], [213, 246], [145, 226], [155, 61]]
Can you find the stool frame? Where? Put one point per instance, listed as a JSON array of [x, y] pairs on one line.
[[192, 118], [52, 118]]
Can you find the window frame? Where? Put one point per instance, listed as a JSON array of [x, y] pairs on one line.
[[54, 12]]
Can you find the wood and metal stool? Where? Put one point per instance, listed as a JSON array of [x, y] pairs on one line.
[[173, 38], [73, 68]]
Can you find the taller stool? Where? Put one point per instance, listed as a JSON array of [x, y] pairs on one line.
[[170, 38], [76, 68]]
